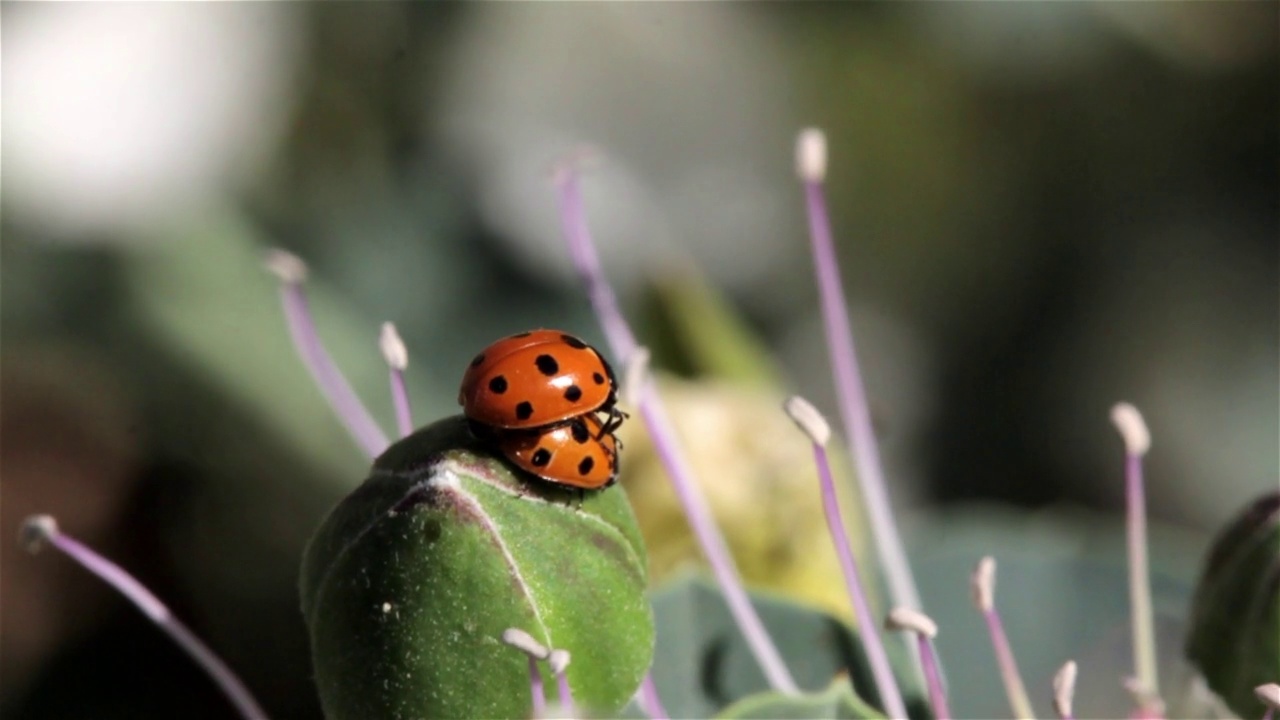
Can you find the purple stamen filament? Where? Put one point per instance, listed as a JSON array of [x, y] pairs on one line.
[[346, 405], [933, 678], [853, 404], [1014, 687], [650, 702], [154, 609], [1139, 583], [886, 683], [536, 689], [400, 396], [623, 344]]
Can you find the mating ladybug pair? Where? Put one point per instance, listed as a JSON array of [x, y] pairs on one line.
[[539, 396]]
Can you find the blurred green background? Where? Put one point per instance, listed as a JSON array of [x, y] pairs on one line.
[[1042, 208]]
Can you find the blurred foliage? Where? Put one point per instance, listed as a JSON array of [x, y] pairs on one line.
[[1066, 204], [703, 664], [837, 701], [1234, 637]]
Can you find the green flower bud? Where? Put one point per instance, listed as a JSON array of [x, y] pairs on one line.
[[1234, 637], [411, 581]]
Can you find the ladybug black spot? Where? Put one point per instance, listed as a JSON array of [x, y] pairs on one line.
[[547, 365], [475, 362], [540, 457], [524, 410], [573, 393], [585, 466], [498, 385], [573, 342], [580, 432], [597, 378]]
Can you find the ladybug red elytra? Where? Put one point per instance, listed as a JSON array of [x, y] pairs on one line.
[[578, 453], [536, 379]]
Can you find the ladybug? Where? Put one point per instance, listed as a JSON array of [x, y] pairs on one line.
[[579, 453], [537, 379]]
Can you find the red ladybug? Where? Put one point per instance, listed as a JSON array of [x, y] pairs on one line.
[[579, 453], [538, 379]]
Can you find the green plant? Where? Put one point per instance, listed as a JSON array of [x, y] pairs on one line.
[[444, 566]]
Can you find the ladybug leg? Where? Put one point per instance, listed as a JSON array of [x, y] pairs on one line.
[[582, 496], [612, 423]]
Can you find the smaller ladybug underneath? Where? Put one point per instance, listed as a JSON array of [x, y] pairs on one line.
[[547, 401], [536, 379], [575, 453]]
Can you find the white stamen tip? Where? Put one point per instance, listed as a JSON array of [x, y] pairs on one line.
[[1127, 419], [36, 531], [1064, 689], [982, 584], [1269, 694], [558, 660], [286, 266], [904, 618], [393, 348], [635, 375], [811, 155], [524, 642], [808, 419]]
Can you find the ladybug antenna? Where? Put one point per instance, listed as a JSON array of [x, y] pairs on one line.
[[397, 357]]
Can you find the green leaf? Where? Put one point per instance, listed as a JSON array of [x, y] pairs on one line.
[[1235, 615], [410, 582], [693, 329], [837, 701], [703, 664]]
